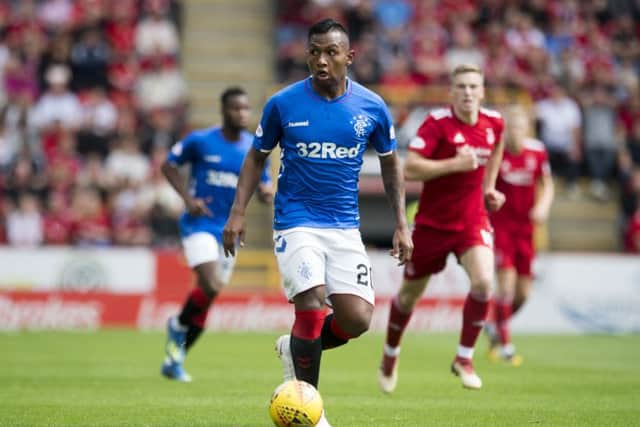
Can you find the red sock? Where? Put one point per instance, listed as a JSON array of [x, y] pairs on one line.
[[398, 321], [474, 314], [306, 345], [503, 317], [202, 301]]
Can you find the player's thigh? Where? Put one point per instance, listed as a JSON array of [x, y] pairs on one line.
[[504, 249], [430, 250], [200, 248], [301, 261], [524, 255], [348, 269], [478, 262]]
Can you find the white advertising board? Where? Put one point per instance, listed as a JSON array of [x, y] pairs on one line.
[[121, 271]]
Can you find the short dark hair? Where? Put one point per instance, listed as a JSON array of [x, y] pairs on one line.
[[230, 92], [324, 26]]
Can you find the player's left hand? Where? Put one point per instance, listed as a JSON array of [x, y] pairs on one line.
[[538, 214], [402, 245], [233, 230], [493, 199]]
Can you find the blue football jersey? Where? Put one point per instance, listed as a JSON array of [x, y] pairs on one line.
[[322, 143], [215, 166]]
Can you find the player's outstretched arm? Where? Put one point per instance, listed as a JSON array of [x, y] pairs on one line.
[[419, 168], [194, 206], [247, 182], [394, 188], [540, 211]]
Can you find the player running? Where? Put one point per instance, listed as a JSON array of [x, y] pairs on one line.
[[215, 155], [457, 153], [525, 179], [323, 125]]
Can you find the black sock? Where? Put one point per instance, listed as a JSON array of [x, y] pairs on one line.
[[329, 339], [193, 333], [306, 359], [516, 305], [196, 306]]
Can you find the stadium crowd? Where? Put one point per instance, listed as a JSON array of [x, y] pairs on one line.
[[91, 97], [577, 60]]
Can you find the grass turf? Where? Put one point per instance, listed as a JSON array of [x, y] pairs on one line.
[[111, 378]]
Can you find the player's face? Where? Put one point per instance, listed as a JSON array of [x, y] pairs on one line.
[[467, 92], [328, 56], [517, 129], [237, 111]]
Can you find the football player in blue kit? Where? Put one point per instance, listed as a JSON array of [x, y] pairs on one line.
[[323, 125], [215, 156]]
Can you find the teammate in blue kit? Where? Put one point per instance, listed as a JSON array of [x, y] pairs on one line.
[[215, 155], [323, 125]]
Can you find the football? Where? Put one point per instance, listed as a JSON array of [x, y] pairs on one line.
[[295, 403]]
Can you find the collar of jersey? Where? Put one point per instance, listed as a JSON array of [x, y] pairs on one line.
[[315, 95]]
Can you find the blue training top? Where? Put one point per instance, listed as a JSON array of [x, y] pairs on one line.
[[215, 166], [322, 144]]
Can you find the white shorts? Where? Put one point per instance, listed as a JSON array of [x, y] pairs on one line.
[[308, 257], [202, 247]]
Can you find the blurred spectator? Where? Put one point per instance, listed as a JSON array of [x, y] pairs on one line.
[[160, 131], [560, 123], [90, 226], [24, 224], [57, 222], [58, 106], [600, 136], [89, 59], [59, 53], [99, 117], [56, 14], [126, 162], [162, 202], [160, 86], [155, 33], [463, 49]]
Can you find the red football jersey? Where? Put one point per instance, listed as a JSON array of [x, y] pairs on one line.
[[455, 202], [517, 179]]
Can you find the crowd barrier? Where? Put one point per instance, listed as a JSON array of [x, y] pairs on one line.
[[69, 288]]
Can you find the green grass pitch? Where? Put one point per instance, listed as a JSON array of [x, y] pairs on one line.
[[111, 378]]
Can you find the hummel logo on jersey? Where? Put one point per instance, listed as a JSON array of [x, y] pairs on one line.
[[459, 138], [298, 124]]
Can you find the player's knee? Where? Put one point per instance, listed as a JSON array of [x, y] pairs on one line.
[[356, 322], [209, 285], [358, 325], [482, 287]]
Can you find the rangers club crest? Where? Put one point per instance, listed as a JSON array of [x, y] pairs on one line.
[[360, 124], [491, 137]]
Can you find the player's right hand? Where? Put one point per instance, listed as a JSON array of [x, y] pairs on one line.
[[233, 230], [467, 159], [197, 207]]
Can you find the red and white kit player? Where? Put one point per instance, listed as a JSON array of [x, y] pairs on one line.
[[456, 153], [525, 179]]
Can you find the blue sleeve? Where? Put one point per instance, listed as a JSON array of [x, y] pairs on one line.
[[266, 173], [383, 137], [269, 130], [183, 151]]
